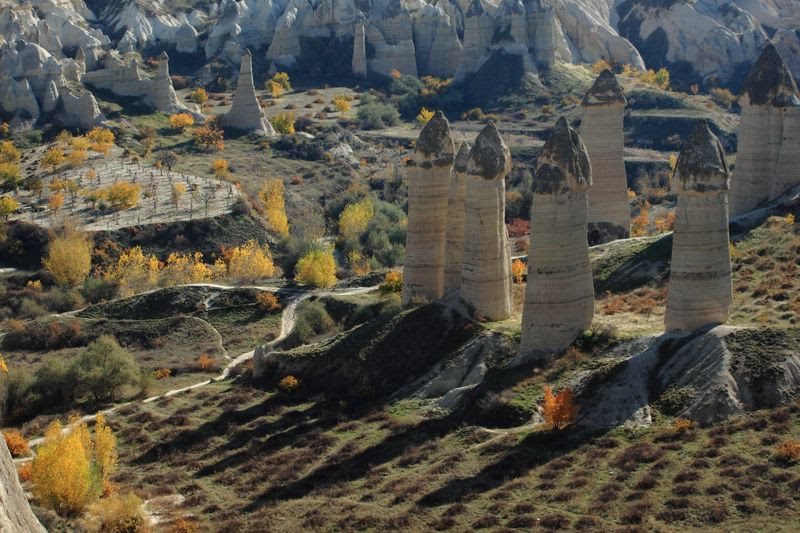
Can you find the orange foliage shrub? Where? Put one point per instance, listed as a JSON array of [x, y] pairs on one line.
[[162, 373], [392, 283], [289, 384], [184, 525], [16, 443], [682, 425], [25, 472], [788, 451], [641, 221], [268, 301], [666, 223], [205, 363], [559, 410]]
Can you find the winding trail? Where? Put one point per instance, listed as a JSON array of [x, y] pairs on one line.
[[288, 320]]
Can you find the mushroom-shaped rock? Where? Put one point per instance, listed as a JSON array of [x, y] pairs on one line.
[[454, 249], [246, 113], [161, 94], [601, 131], [700, 291], [559, 298], [428, 188], [769, 89], [486, 269], [15, 512]]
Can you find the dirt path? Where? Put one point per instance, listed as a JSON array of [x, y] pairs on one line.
[[288, 320]]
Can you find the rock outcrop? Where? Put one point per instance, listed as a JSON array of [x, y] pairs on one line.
[[15, 513], [700, 292], [602, 133], [162, 94], [359, 64], [454, 249], [787, 172], [78, 108], [246, 113], [486, 270], [768, 91], [559, 298], [428, 189]]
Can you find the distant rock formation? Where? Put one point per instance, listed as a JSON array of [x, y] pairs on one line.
[[360, 69], [768, 92], [601, 131], [428, 187], [559, 298], [246, 113], [787, 173], [454, 249], [486, 270], [15, 512], [700, 290], [124, 78]]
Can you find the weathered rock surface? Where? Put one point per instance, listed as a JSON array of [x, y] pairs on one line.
[[246, 113], [559, 298], [768, 91], [15, 513], [602, 133], [700, 290], [787, 173], [486, 270], [428, 189], [454, 248]]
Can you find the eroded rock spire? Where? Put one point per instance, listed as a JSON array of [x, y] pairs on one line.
[[246, 113], [454, 250]]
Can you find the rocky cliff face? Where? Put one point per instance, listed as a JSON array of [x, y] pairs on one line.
[[15, 513], [700, 292]]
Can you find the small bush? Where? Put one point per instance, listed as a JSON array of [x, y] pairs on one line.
[[184, 525], [118, 514], [206, 363], [268, 301], [723, 97], [377, 116], [25, 472], [16, 443], [788, 451], [289, 384], [162, 373]]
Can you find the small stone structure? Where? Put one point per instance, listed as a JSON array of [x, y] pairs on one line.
[[486, 270], [246, 113], [454, 250], [428, 189], [15, 512], [700, 273], [769, 94], [559, 298], [601, 131]]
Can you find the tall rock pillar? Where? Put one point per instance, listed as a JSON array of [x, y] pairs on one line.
[[787, 174], [768, 89], [15, 513], [163, 96], [428, 190], [360, 51], [246, 113], [601, 131], [486, 272], [700, 273], [454, 249], [559, 298]]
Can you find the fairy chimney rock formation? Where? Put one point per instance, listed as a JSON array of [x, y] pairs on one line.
[[486, 270], [787, 172], [601, 131], [559, 298], [246, 113], [700, 290], [15, 513], [359, 63], [768, 90], [162, 94], [428, 187], [454, 249]]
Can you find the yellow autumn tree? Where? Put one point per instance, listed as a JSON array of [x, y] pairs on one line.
[[220, 168], [134, 271], [199, 96], [275, 206], [559, 410], [317, 267], [425, 116], [355, 218], [123, 195], [8, 206], [275, 89], [341, 104], [183, 268], [65, 476], [105, 448], [178, 189], [101, 140], [53, 158], [69, 256], [181, 121], [284, 123], [517, 270], [249, 262]]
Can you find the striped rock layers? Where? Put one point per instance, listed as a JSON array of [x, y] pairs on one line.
[[559, 299], [601, 131], [454, 249], [486, 270], [15, 513], [787, 173], [428, 190], [246, 113], [700, 274], [768, 91]]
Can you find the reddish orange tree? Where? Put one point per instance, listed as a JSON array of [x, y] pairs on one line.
[[559, 410]]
